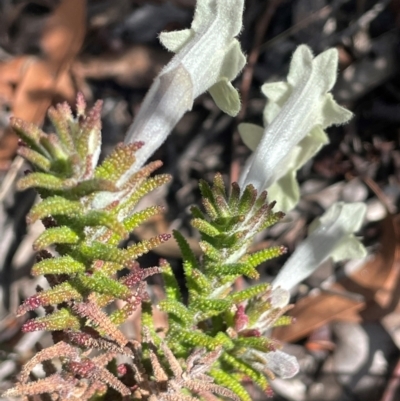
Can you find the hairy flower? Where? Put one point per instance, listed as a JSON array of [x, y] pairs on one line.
[[331, 236], [207, 57], [297, 113]]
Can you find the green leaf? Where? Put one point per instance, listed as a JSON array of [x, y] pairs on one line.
[[148, 323], [195, 338], [254, 260], [247, 200], [102, 284], [227, 380], [54, 206], [104, 218], [42, 180], [99, 251], [205, 227], [140, 217], [248, 293], [205, 308], [60, 265], [35, 158], [60, 116], [185, 249], [247, 370], [233, 270], [61, 319], [197, 283], [60, 293], [56, 235], [30, 134], [177, 309], [263, 344], [171, 286]]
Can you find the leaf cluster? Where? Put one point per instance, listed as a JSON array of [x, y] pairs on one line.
[[87, 211], [215, 316], [214, 339]]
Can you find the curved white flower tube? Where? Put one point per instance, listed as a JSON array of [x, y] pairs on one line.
[[297, 113], [331, 236], [207, 58]]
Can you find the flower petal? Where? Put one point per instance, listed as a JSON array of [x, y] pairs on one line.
[[296, 114], [226, 97], [282, 364], [329, 237], [350, 216], [349, 248], [285, 192], [207, 57], [251, 134], [175, 40]]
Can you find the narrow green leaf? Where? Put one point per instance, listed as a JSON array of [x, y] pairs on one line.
[[54, 206], [35, 158], [248, 293], [227, 380], [43, 180], [177, 309], [233, 270], [104, 218], [172, 290], [247, 200], [255, 259], [60, 265], [205, 227], [185, 249], [56, 235], [247, 370], [102, 284], [140, 217], [61, 319]]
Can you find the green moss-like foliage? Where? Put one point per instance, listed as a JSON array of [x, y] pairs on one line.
[[87, 211], [215, 315]]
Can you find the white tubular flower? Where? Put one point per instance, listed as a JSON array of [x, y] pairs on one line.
[[297, 113], [331, 236], [207, 57]]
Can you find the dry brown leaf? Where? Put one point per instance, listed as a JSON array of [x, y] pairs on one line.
[[373, 274], [314, 311], [38, 80], [377, 281], [10, 73], [387, 295], [32, 97], [64, 34]]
